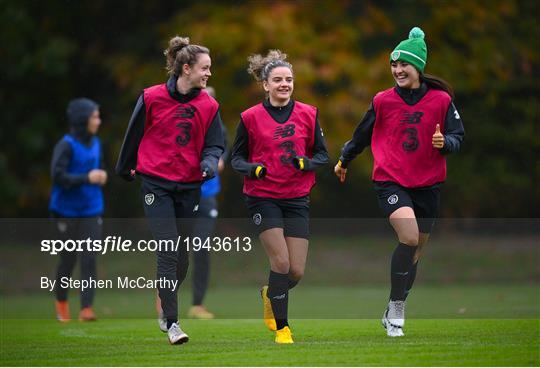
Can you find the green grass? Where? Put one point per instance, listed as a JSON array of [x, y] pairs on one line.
[[496, 301], [444, 328], [247, 343]]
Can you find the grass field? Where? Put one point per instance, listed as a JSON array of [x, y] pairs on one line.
[[247, 343], [487, 325]]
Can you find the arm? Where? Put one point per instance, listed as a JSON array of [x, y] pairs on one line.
[[102, 180], [240, 154], [454, 133], [127, 160], [226, 152], [214, 145], [101, 157], [320, 153], [361, 138], [59, 164]]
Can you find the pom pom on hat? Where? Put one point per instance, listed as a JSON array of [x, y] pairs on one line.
[[412, 50], [416, 32]]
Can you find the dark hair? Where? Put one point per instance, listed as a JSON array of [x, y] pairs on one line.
[[260, 67], [180, 52], [437, 83]]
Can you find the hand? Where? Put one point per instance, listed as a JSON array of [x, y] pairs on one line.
[[207, 172], [104, 177], [220, 165], [299, 162], [97, 176], [259, 172], [130, 176], [340, 172], [438, 138]]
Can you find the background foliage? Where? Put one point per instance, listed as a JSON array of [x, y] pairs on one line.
[[56, 50]]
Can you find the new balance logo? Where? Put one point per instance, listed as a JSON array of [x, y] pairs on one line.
[[184, 112], [284, 131], [413, 118]]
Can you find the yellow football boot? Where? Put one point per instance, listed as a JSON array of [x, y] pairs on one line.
[[200, 312], [268, 314], [284, 336]]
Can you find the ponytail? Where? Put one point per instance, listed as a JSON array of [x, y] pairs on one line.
[[437, 83], [181, 52]]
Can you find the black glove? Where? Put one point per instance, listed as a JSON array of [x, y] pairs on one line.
[[300, 162], [129, 176], [207, 172], [258, 172]]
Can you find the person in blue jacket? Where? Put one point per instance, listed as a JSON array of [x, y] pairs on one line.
[[76, 203]]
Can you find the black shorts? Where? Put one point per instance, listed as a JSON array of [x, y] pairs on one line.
[[292, 215], [424, 201]]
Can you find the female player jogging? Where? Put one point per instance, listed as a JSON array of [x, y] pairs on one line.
[[278, 145], [411, 127], [77, 199], [173, 142]]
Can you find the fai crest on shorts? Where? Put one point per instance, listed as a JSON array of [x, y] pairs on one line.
[[393, 199], [149, 198], [257, 219]]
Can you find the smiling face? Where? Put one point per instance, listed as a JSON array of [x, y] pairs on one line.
[[405, 75], [198, 74], [279, 85]]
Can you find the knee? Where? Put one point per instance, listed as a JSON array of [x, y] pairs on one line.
[[280, 265], [410, 239], [167, 257], [181, 274], [167, 263], [296, 274]]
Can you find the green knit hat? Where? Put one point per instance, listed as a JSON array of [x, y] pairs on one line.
[[412, 50]]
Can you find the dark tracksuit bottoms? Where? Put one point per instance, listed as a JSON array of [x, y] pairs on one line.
[[75, 229], [170, 202], [203, 228]]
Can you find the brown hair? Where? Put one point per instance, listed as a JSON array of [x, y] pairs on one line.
[[437, 83], [260, 67], [180, 52]]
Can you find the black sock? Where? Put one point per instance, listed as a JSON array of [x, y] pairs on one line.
[[170, 322], [401, 264], [278, 293], [292, 283], [410, 281]]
